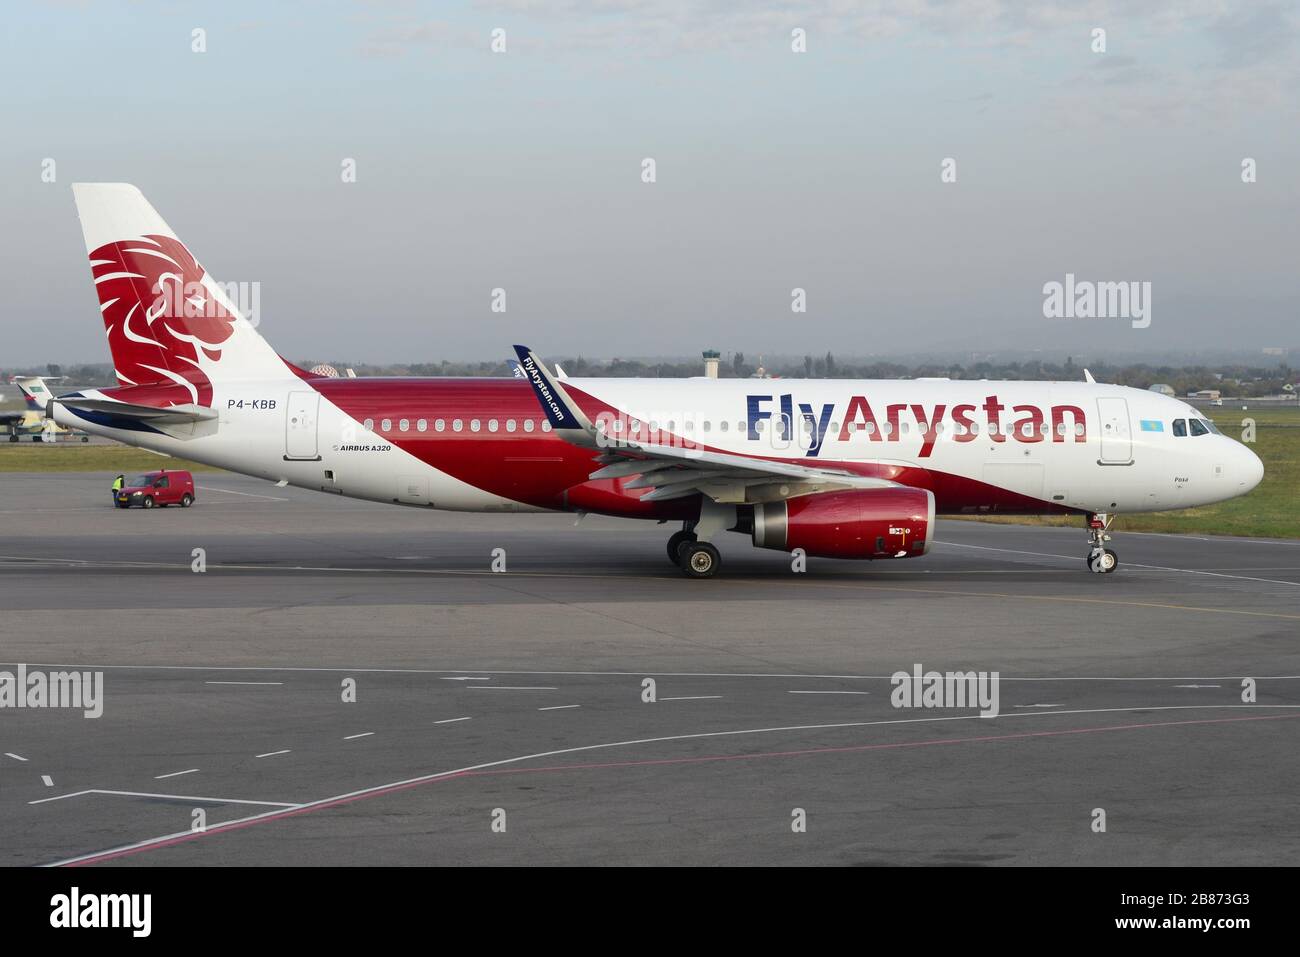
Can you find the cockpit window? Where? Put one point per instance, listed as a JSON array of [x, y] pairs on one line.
[[1209, 424], [1180, 427], [1198, 427]]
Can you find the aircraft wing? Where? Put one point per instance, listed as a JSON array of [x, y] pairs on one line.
[[678, 471]]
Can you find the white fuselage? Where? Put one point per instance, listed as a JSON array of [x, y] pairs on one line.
[[1075, 446]]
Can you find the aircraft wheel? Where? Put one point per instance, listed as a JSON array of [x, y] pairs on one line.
[[675, 542], [1103, 562], [699, 559]]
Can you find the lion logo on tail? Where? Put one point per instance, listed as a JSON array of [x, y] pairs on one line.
[[160, 315]]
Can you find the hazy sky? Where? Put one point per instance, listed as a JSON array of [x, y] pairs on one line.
[[775, 170]]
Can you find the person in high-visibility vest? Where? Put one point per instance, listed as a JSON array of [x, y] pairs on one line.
[[117, 486]]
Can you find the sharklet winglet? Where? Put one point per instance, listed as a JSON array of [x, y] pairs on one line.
[[558, 406]]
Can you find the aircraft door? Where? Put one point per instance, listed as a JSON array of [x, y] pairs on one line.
[[301, 416], [1116, 437]]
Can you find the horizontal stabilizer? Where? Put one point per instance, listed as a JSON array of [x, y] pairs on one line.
[[172, 415]]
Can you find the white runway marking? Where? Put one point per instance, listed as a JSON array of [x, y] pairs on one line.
[[828, 692], [426, 778], [47, 780], [174, 774], [1015, 551], [1198, 686], [843, 584], [1158, 568], [41, 511], [243, 682], [37, 561], [467, 678], [271, 754], [1210, 538], [693, 697], [1256, 568], [363, 734], [625, 674], [34, 562], [560, 707], [170, 797], [1037, 706], [227, 491], [508, 688], [16, 757], [450, 720], [1195, 571]]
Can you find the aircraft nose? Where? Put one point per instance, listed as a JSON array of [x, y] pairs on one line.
[[1250, 470]]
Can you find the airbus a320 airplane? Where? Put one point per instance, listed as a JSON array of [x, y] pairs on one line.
[[838, 468]]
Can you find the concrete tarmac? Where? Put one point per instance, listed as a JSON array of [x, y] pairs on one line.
[[502, 717]]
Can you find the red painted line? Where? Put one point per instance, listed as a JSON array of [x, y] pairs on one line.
[[452, 775]]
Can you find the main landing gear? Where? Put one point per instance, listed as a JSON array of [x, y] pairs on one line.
[[690, 550], [1101, 560], [696, 559], [677, 540]]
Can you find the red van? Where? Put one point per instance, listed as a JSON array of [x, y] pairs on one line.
[[164, 487]]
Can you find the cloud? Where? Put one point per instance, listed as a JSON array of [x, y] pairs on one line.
[[395, 41], [1253, 34], [666, 26]]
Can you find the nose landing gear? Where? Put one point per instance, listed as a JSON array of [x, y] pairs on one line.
[[1101, 560]]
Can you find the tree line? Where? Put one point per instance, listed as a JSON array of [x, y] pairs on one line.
[[1232, 379]]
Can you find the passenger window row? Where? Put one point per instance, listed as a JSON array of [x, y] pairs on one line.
[[457, 425], [529, 425]]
